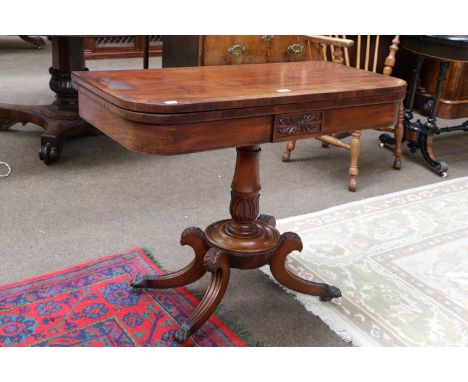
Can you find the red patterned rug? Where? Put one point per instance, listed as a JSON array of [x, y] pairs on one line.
[[92, 305]]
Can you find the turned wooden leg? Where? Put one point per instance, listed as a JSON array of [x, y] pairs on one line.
[[216, 261], [287, 153], [195, 270], [353, 169], [290, 241], [399, 131]]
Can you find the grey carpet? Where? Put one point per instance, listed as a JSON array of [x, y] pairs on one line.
[[100, 198]]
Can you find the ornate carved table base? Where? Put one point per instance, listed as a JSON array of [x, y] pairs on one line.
[[246, 241], [60, 119]]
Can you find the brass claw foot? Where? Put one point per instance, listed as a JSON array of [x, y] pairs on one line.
[[139, 283], [182, 334], [332, 292]]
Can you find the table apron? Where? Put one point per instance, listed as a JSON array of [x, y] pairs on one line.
[[171, 139]]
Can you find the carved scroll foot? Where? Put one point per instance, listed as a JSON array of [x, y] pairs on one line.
[[287, 153], [216, 262], [290, 241], [192, 237]]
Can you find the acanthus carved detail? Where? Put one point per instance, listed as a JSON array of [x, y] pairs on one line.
[[243, 207], [294, 124], [61, 83], [210, 261]]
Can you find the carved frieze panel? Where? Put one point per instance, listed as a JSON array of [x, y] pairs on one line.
[[297, 125]]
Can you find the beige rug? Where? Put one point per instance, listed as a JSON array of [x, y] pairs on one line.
[[400, 260]]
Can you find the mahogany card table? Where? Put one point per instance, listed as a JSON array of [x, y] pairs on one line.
[[183, 110]]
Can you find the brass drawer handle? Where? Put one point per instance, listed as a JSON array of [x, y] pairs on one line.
[[295, 48], [236, 50], [267, 38]]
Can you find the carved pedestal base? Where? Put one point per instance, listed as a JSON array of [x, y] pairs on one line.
[[246, 241], [60, 124], [60, 119], [218, 262]]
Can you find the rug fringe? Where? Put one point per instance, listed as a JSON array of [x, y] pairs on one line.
[[152, 258], [228, 318]]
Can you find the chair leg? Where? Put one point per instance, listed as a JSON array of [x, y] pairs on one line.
[[353, 169], [399, 131], [287, 153]]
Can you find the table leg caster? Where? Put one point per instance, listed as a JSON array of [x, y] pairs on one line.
[[49, 153], [330, 293]]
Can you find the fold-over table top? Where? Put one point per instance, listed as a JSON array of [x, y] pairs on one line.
[[182, 90]]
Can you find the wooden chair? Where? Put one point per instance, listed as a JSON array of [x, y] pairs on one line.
[[336, 49]]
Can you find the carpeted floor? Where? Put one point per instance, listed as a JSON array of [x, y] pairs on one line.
[[102, 198], [93, 305]]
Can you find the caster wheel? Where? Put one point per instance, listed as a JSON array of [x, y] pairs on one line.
[[49, 153], [443, 174], [381, 145]]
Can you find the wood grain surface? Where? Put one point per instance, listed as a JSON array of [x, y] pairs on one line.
[[182, 90]]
